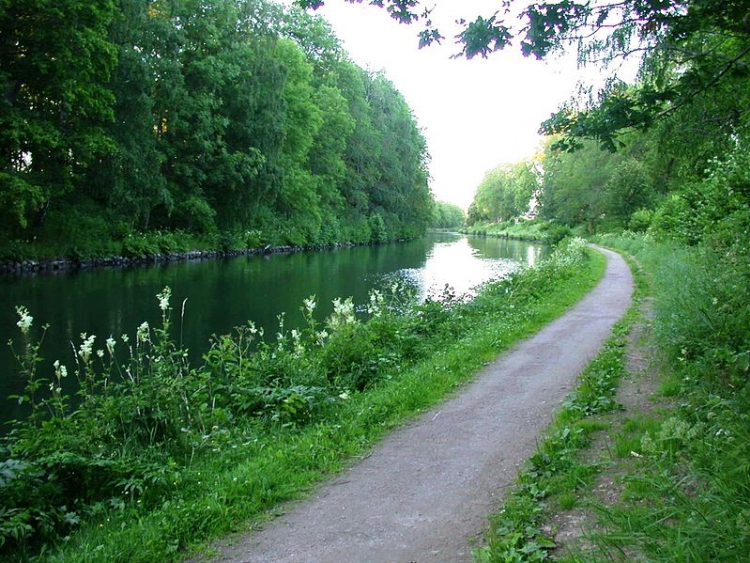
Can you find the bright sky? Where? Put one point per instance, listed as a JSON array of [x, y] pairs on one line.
[[475, 114]]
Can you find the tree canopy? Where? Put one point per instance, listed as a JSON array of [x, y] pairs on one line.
[[206, 116]]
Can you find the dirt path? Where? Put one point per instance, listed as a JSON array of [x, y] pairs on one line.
[[424, 493]]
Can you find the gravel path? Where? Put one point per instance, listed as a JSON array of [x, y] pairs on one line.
[[424, 493]]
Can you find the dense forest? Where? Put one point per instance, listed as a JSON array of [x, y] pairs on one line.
[[132, 126]]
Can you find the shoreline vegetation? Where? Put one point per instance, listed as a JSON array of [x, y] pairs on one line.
[[162, 248], [159, 456], [532, 230], [46, 265]]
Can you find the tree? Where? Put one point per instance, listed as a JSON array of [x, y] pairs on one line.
[[238, 118], [504, 193], [55, 62], [447, 216], [573, 185]]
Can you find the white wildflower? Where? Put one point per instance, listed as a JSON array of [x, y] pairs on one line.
[[344, 396], [163, 298], [343, 313], [60, 370], [142, 333], [310, 304], [100, 353], [24, 323], [86, 346], [375, 307], [110, 342]]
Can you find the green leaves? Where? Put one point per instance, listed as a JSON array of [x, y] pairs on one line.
[[504, 193], [201, 116], [57, 102], [484, 36]]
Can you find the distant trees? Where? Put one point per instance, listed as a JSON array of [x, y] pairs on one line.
[[447, 216], [201, 115], [673, 141], [504, 193]]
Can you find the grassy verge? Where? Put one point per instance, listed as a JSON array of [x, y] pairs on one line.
[[177, 455], [666, 484]]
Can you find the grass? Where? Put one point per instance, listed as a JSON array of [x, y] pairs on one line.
[[686, 487], [256, 464], [538, 230], [670, 483]]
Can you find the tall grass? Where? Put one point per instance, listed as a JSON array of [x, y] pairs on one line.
[[155, 455], [688, 495]]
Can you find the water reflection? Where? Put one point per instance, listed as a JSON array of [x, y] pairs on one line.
[[457, 264]]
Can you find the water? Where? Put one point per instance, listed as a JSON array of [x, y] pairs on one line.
[[222, 294]]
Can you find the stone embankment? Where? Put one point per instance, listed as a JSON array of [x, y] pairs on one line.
[[54, 265]]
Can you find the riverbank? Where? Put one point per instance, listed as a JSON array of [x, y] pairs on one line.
[[437, 478], [52, 265], [532, 230], [269, 425]]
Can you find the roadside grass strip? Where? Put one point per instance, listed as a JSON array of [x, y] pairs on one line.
[[686, 481]]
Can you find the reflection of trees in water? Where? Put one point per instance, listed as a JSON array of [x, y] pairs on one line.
[[463, 264], [521, 251]]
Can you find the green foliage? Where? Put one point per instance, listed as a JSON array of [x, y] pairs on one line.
[[686, 491], [447, 216], [166, 453], [504, 194], [713, 210], [692, 50], [641, 220], [203, 117], [57, 101]]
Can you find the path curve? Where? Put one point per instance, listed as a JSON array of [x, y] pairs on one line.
[[424, 494]]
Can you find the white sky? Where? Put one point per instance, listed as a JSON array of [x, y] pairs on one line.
[[475, 114]]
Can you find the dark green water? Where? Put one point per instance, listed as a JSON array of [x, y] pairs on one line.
[[222, 294]]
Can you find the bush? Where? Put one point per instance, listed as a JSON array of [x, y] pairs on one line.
[[641, 220], [555, 233]]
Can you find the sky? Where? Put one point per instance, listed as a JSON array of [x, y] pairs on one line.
[[475, 114]]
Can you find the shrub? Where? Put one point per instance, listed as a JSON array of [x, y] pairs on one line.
[[641, 220]]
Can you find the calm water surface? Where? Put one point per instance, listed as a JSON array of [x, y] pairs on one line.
[[222, 294]]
